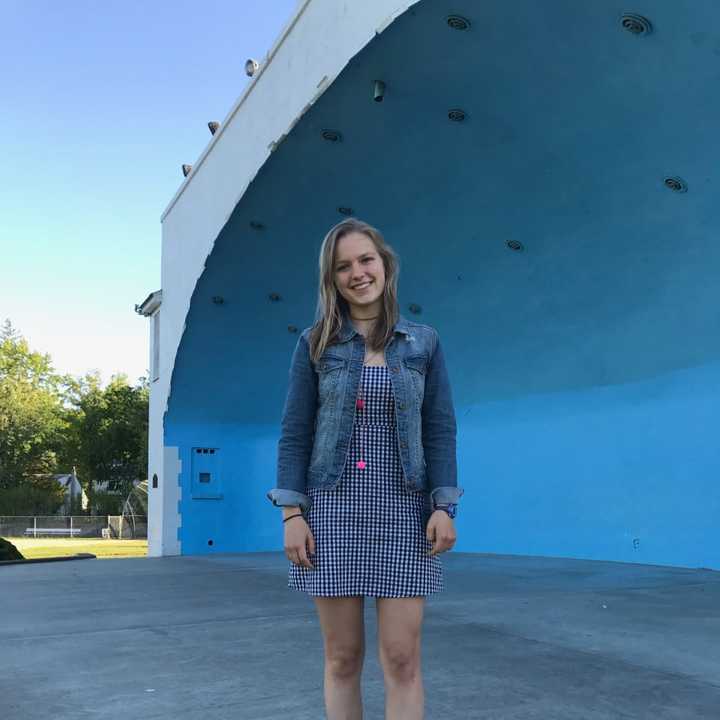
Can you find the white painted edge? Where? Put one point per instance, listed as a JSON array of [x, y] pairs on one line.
[[287, 29]]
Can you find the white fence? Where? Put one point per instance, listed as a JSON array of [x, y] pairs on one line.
[[100, 526]]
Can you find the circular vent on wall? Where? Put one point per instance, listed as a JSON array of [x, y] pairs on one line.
[[332, 135], [636, 24], [458, 22], [675, 184]]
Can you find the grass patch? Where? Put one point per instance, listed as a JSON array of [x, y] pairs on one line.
[[32, 548]]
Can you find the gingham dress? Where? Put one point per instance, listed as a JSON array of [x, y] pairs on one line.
[[369, 532]]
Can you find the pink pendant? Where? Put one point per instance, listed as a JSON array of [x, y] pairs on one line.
[[360, 404], [361, 464]]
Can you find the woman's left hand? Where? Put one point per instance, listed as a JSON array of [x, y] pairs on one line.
[[440, 532]]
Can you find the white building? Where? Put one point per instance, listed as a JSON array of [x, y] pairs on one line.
[[73, 492]]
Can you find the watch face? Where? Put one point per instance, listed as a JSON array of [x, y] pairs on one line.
[[449, 508]]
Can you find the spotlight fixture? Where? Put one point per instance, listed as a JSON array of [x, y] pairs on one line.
[[515, 245], [274, 297], [345, 210], [379, 91], [218, 299], [256, 225], [292, 329], [213, 127], [186, 170], [457, 22], [676, 184], [456, 115], [332, 135], [636, 24], [251, 67], [415, 309]]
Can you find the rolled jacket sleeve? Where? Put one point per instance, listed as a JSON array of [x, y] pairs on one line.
[[439, 431], [297, 430]]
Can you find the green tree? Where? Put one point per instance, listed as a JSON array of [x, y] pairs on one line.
[[50, 423], [33, 421], [38, 495], [107, 437]]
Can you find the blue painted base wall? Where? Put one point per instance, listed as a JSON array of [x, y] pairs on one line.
[[626, 472]]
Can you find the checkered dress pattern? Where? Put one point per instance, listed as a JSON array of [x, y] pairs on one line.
[[369, 531]]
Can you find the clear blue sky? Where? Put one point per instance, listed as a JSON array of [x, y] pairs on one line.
[[101, 103]]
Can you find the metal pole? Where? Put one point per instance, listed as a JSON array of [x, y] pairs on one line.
[[35, 526]]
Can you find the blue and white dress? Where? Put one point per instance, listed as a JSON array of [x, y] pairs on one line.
[[369, 531]]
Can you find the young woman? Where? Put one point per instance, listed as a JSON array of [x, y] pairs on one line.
[[367, 473]]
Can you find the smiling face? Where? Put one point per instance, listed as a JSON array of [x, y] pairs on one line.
[[359, 274]]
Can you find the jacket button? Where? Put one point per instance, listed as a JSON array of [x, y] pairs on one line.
[[395, 369], [403, 444], [401, 406]]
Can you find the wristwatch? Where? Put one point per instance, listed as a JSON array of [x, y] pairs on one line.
[[449, 508]]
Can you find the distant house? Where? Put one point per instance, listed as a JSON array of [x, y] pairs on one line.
[[73, 490]]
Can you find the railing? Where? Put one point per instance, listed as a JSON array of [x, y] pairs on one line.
[[107, 526]]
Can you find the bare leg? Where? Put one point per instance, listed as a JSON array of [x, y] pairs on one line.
[[343, 627], [399, 632]]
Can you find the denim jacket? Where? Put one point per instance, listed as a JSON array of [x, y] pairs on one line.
[[318, 417]]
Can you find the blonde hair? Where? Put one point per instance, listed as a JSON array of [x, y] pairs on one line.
[[332, 305]]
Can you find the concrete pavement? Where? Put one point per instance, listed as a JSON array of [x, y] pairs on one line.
[[222, 637]]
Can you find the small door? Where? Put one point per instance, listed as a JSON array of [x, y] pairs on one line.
[[205, 469]]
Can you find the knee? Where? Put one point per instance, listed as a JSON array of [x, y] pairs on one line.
[[344, 663], [401, 663]]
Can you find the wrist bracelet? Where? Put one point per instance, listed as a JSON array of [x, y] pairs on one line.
[[289, 517]]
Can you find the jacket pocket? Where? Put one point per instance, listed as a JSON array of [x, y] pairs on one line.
[[329, 370], [329, 363], [417, 369], [419, 363]]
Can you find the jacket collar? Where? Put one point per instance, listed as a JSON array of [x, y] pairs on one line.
[[348, 329]]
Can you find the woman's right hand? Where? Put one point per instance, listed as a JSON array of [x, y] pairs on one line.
[[299, 542]]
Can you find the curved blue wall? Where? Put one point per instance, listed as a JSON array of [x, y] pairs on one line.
[[586, 368]]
